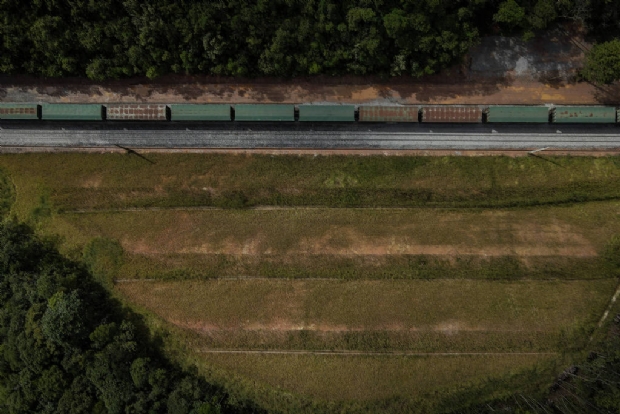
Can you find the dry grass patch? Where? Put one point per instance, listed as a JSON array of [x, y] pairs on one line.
[[578, 231]]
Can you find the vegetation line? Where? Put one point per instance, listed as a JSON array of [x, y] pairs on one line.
[[327, 207], [326, 279], [364, 353]]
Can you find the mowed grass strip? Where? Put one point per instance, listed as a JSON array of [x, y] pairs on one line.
[[100, 181], [442, 306], [421, 341], [577, 231], [370, 378], [186, 266]]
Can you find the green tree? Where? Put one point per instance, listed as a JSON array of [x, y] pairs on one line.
[[62, 322], [510, 14], [66, 348], [603, 62]]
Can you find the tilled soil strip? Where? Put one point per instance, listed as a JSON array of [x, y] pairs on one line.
[[364, 353]]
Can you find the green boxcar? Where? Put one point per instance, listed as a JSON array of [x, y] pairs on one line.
[[584, 114], [533, 114], [266, 112], [327, 113], [197, 112], [72, 112], [19, 111]]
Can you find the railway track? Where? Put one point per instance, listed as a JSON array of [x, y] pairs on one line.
[[386, 137]]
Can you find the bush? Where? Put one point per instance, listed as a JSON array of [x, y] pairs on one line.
[[603, 63], [612, 252]]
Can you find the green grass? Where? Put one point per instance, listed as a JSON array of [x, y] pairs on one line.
[[343, 312], [363, 378], [7, 194], [213, 266], [95, 181]]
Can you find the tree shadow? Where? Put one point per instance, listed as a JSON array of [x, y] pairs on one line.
[[134, 152]]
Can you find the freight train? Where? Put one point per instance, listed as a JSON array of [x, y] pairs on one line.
[[310, 113]]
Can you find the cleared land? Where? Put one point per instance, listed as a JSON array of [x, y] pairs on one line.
[[513, 250]]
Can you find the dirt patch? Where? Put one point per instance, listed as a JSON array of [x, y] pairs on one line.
[[471, 90], [449, 328], [92, 182]]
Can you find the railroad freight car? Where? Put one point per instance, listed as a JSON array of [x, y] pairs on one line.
[[327, 113], [136, 112], [72, 112], [389, 113], [585, 114], [452, 114], [19, 111], [523, 114], [197, 112], [267, 112]]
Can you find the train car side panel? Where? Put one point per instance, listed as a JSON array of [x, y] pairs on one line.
[[264, 112], [389, 113], [530, 114], [452, 114], [327, 113], [136, 112], [72, 112], [584, 114], [19, 111], [198, 112]]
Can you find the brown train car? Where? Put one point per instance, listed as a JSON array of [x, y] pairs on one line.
[[456, 114], [136, 112], [388, 113]]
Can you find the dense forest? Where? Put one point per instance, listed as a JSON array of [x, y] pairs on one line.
[[120, 38], [65, 347]]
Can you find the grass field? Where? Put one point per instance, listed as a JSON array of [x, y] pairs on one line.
[[442, 313], [444, 254], [371, 377], [551, 242], [95, 181]]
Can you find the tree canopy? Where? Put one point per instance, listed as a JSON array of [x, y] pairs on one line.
[[603, 62], [66, 348], [119, 38]]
